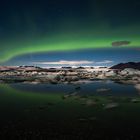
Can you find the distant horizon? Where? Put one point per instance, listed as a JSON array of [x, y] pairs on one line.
[[89, 66], [49, 67], [84, 57]]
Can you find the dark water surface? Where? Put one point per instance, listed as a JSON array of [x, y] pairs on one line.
[[86, 88], [83, 111]]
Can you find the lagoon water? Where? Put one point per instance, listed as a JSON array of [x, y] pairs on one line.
[[86, 88], [40, 111]]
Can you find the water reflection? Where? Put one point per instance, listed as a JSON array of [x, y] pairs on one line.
[[101, 88], [95, 109]]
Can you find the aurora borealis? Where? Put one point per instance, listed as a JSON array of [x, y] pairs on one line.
[[82, 57], [59, 25], [70, 69]]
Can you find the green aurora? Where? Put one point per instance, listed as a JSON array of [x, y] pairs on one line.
[[38, 26], [68, 41]]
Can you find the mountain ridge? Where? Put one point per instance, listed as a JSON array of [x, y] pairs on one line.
[[134, 65]]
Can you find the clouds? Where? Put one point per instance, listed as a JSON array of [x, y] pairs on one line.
[[65, 62], [120, 43], [73, 62]]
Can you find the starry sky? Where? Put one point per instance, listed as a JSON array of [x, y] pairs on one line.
[[59, 30]]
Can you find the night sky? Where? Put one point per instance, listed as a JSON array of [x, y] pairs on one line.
[[41, 26], [83, 57]]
